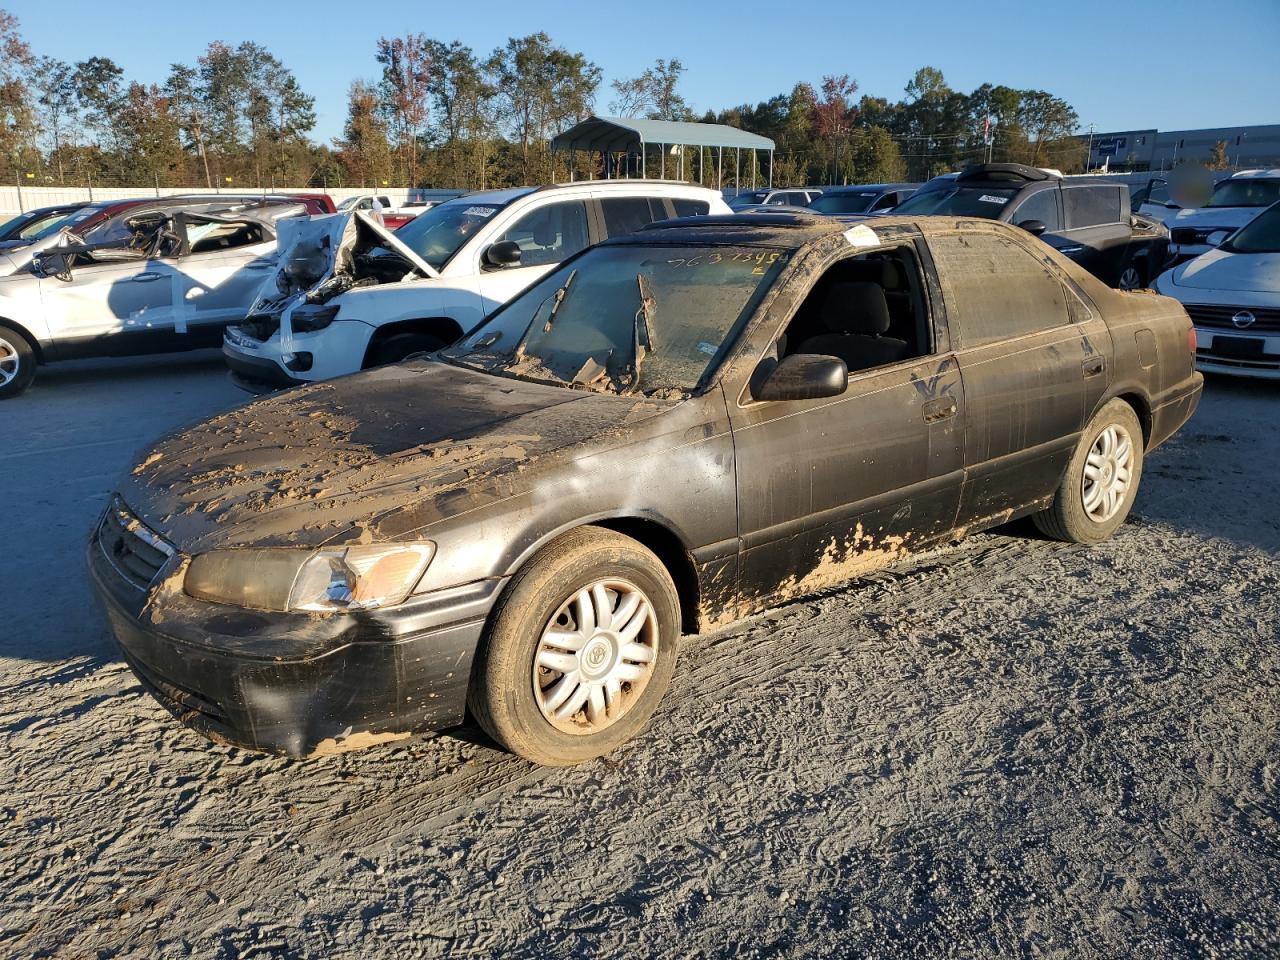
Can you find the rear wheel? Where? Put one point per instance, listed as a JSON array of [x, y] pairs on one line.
[[400, 346], [1101, 481], [580, 649], [17, 362]]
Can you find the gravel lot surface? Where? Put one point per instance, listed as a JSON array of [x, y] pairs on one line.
[[1011, 747]]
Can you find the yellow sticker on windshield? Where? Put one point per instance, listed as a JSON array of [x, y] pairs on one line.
[[860, 235]]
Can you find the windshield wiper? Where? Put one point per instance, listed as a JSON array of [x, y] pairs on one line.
[[641, 346], [556, 300]]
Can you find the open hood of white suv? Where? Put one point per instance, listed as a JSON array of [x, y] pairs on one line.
[[325, 250]]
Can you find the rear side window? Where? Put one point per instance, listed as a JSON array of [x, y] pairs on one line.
[[628, 214], [1042, 206], [1091, 206], [995, 289], [690, 208]]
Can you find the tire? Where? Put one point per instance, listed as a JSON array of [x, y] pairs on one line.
[[1132, 277], [1089, 510], [401, 345], [17, 362], [527, 671]]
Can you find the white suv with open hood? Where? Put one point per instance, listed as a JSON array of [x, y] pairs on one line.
[[349, 294]]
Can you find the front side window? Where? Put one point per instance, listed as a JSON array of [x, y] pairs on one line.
[[1090, 206], [625, 318], [550, 233], [996, 289], [1042, 206]]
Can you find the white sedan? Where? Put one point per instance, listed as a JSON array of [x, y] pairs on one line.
[[1233, 296]]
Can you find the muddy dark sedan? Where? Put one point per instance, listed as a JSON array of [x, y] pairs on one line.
[[670, 431]]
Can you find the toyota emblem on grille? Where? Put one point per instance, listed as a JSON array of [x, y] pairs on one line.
[[1243, 319]]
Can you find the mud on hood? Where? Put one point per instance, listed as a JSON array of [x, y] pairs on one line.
[[334, 461]]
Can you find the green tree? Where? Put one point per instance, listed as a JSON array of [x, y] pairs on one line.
[[53, 84], [1219, 160], [364, 149], [17, 121], [405, 92], [653, 94]]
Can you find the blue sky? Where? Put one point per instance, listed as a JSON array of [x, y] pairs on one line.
[[1170, 65]]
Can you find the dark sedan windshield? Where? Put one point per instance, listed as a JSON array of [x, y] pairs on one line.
[[439, 233], [1245, 193], [1262, 235], [844, 202], [966, 201], [621, 319]]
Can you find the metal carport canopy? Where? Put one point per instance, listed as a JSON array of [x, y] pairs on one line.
[[613, 134]]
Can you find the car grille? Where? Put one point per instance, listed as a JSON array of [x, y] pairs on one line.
[[1219, 318], [185, 704], [261, 326], [134, 551]]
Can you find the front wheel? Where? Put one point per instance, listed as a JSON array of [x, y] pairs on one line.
[[1131, 277], [401, 346], [17, 362], [580, 649], [1101, 481]]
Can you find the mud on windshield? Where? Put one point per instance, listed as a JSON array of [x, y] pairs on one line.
[[626, 319]]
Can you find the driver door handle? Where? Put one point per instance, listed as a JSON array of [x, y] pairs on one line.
[[942, 408], [1094, 366], [147, 277]]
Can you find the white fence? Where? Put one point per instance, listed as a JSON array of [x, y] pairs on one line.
[[15, 200]]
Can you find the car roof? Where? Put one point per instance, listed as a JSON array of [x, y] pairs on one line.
[[1256, 175], [864, 187]]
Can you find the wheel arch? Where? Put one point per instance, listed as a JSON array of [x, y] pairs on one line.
[[653, 534], [36, 346], [442, 326]]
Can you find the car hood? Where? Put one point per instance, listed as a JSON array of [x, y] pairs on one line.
[[1223, 217], [317, 250], [362, 458], [1224, 270]]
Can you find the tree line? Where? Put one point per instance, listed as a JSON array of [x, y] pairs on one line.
[[441, 115]]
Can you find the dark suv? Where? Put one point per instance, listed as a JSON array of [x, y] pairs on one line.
[[1087, 219]]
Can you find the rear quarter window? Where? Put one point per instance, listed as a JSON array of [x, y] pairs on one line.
[[1091, 206], [623, 215], [690, 208]]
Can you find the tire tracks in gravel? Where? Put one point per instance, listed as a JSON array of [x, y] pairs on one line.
[[714, 666]]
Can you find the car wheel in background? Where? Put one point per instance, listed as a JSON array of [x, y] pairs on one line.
[[401, 345], [579, 651], [1131, 277], [17, 362], [1101, 481]]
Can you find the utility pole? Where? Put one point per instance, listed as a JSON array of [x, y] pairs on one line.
[[1088, 159]]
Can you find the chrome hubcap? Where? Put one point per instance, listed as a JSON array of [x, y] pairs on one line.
[[1108, 471], [8, 362], [595, 657]]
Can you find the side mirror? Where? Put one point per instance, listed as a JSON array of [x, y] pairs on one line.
[[52, 263], [801, 376], [1034, 227], [504, 253], [1217, 238]]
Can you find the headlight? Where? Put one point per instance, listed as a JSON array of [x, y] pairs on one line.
[[310, 319], [328, 580]]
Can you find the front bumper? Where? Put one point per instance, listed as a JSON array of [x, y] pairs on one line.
[[256, 374], [297, 684]]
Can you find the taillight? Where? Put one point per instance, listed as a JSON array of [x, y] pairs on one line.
[[1191, 340]]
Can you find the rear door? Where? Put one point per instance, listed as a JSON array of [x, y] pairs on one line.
[[1096, 232], [1033, 357]]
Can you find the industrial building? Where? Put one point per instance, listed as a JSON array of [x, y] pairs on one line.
[[1255, 146]]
